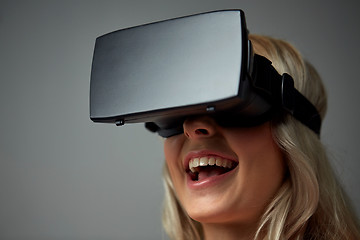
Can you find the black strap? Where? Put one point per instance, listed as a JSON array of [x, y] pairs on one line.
[[280, 90]]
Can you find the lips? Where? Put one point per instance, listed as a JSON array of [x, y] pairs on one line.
[[205, 165]]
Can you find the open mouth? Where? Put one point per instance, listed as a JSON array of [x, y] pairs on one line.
[[205, 167]]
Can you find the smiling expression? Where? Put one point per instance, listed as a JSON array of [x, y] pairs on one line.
[[224, 175]]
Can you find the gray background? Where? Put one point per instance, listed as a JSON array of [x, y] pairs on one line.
[[63, 177]]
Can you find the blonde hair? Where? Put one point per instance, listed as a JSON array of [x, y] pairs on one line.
[[311, 203]]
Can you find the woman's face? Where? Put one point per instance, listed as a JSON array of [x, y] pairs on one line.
[[233, 174]]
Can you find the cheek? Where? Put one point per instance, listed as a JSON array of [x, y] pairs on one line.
[[261, 164], [257, 143], [172, 152]]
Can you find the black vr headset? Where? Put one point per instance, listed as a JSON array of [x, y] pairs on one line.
[[162, 73]]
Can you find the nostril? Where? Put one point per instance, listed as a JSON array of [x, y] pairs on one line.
[[201, 131]]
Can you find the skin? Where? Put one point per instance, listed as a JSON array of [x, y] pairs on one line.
[[232, 207]]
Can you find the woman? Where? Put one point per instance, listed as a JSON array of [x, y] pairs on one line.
[[275, 180]]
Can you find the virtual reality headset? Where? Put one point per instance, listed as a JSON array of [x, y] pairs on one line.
[[164, 72]]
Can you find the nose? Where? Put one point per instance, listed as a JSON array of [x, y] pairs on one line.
[[199, 127]]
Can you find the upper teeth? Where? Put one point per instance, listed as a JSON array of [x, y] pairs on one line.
[[205, 161]]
